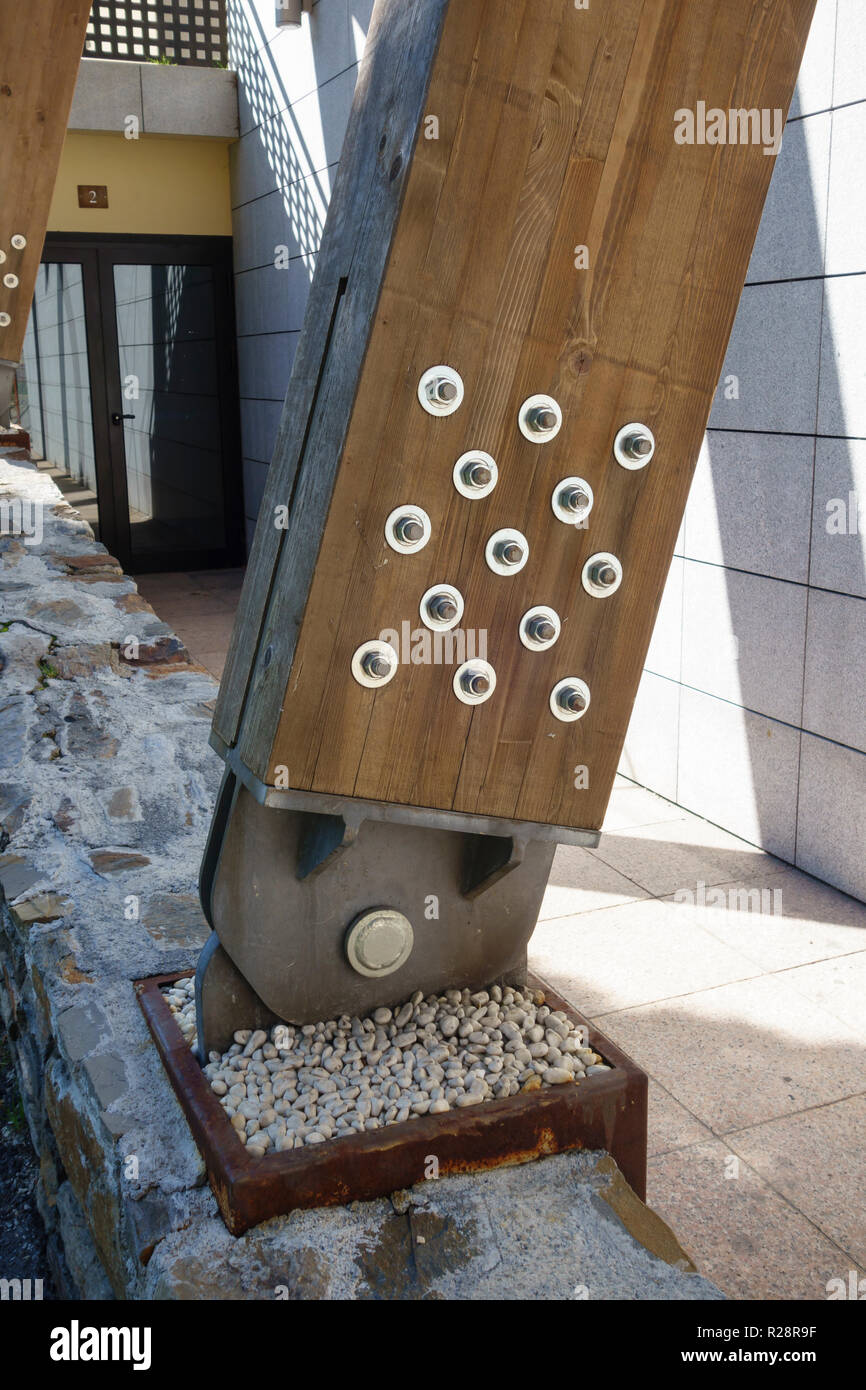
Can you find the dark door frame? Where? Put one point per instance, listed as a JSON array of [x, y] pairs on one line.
[[98, 254]]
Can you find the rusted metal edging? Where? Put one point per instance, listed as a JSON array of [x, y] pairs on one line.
[[607, 1112]]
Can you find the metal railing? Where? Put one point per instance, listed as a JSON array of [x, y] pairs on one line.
[[190, 32]]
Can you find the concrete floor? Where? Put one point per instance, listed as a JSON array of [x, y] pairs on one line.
[[200, 607], [734, 980]]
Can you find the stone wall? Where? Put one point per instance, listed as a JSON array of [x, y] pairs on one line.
[[106, 789]]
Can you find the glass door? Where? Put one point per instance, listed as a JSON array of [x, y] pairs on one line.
[[172, 422], [55, 383], [148, 389]]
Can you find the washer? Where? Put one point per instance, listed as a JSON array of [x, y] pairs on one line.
[[408, 547], [603, 557], [474, 667], [621, 453], [563, 513], [569, 683], [525, 416], [374, 648], [535, 614], [499, 538], [469, 489], [429, 400], [443, 591]]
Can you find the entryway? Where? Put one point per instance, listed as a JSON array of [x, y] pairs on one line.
[[128, 386]]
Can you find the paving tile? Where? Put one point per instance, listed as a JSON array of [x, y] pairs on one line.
[[850, 77], [773, 353], [669, 1124], [837, 985], [745, 1052], [681, 853], [743, 638], [846, 252], [817, 1160], [649, 756], [631, 805], [787, 919], [750, 504], [793, 228], [842, 394], [740, 1233], [740, 770], [814, 90], [621, 957], [831, 814], [835, 648], [838, 554], [664, 655], [579, 882]]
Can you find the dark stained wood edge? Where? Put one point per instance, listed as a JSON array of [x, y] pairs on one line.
[[609, 1112], [356, 243]]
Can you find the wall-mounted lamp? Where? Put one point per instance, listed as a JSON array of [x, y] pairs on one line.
[[287, 13]]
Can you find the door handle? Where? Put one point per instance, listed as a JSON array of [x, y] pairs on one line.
[[116, 417]]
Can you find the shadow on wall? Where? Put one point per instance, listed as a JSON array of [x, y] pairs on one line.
[[783, 449], [298, 157], [749, 714], [295, 89]]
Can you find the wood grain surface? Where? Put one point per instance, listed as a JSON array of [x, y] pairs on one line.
[[556, 130], [40, 49]]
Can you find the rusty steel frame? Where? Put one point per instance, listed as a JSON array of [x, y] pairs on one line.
[[607, 1112]]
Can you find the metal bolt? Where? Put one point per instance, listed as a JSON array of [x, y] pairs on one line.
[[637, 446], [477, 474], [542, 419], [408, 529], [573, 499], [509, 552], [475, 682], [571, 699], [442, 390], [443, 607], [542, 630], [604, 575], [377, 665]]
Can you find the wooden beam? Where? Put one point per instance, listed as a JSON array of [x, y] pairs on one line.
[[556, 129], [40, 49]]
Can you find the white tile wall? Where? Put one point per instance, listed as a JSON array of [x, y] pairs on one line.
[[770, 729]]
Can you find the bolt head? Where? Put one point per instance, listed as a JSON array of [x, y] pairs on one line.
[[638, 445], [377, 665], [477, 475], [572, 699], [443, 607], [542, 419], [542, 630], [442, 390], [509, 552], [573, 499], [475, 682], [409, 529], [605, 575]]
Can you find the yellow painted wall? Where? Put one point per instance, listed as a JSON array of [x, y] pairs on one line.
[[156, 184]]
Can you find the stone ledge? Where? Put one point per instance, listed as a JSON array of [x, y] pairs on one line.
[[106, 788]]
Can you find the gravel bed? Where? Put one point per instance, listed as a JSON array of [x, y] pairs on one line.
[[304, 1085]]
